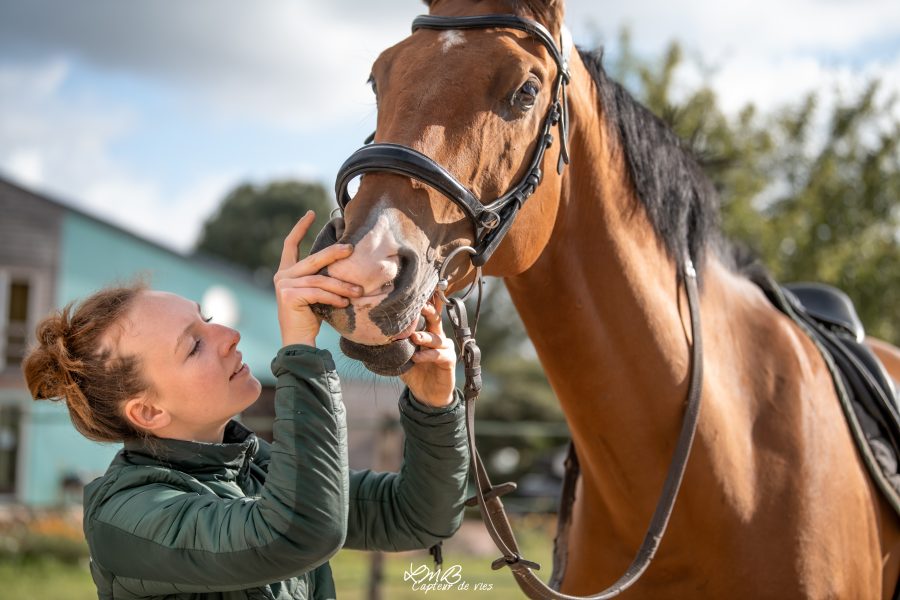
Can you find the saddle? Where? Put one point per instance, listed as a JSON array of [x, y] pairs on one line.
[[867, 393]]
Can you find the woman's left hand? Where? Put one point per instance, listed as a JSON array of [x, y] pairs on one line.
[[431, 381]]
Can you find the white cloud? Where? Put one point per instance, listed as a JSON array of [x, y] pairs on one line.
[[46, 140], [143, 208], [762, 27], [64, 149], [26, 165], [301, 65], [294, 64]]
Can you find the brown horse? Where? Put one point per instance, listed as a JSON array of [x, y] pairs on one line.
[[776, 501]]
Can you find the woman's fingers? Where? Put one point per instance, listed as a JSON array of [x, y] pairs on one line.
[[432, 314], [304, 296], [292, 241], [425, 356], [330, 284], [439, 357], [427, 339], [318, 261]]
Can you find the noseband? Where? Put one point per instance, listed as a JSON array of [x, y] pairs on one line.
[[490, 219]]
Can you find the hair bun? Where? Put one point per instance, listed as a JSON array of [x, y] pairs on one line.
[[51, 369], [69, 362]]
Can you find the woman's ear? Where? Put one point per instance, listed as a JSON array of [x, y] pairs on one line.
[[145, 415]]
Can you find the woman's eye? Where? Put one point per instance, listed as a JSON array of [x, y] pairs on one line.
[[196, 347], [525, 98]]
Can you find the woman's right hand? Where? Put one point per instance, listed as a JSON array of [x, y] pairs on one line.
[[298, 285]]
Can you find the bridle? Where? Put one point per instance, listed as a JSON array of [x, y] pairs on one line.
[[491, 221]]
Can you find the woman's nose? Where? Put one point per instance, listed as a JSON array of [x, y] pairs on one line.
[[230, 339]]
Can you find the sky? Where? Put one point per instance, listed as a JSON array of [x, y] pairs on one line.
[[147, 112]]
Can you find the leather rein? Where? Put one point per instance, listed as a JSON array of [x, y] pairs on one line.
[[491, 221]]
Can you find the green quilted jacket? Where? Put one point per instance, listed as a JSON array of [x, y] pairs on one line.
[[243, 519]]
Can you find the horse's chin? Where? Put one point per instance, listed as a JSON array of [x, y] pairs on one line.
[[387, 353], [390, 359]]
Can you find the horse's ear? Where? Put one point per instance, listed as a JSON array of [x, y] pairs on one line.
[[547, 12]]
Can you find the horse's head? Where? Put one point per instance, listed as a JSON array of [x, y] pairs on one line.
[[463, 109]]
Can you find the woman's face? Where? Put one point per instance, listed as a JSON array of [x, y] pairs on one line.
[[193, 365]]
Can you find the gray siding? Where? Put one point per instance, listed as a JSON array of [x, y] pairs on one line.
[[29, 248]]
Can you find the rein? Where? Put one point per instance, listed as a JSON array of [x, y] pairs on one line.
[[488, 495]]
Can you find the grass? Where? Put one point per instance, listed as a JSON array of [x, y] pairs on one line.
[[535, 534], [49, 579], [45, 579]]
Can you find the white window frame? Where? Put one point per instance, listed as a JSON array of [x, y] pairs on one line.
[[7, 276]]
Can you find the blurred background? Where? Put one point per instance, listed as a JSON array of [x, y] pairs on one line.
[[180, 141]]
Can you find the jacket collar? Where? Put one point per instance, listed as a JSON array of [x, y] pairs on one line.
[[225, 460]]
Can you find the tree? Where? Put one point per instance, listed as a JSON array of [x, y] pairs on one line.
[[814, 192], [250, 225]]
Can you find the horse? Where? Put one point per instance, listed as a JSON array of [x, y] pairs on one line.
[[776, 501]]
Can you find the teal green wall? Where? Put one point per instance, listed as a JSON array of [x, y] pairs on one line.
[[94, 255]]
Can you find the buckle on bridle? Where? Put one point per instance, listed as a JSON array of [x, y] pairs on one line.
[[489, 219], [513, 561], [443, 280]]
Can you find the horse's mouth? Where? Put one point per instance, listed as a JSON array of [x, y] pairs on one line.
[[390, 359]]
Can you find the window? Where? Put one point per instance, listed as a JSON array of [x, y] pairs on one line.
[[15, 299], [10, 417]]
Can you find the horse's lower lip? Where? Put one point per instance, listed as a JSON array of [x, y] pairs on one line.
[[410, 329], [386, 359]]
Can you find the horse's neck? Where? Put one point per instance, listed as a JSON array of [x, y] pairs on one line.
[[601, 306]]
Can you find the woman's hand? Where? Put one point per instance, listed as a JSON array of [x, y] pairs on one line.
[[432, 379], [297, 285]]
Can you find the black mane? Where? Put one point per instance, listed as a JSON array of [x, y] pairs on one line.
[[680, 200]]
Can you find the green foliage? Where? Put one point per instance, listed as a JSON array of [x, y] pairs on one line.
[[250, 225], [814, 191]]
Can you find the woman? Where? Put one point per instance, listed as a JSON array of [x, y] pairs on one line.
[[195, 505]]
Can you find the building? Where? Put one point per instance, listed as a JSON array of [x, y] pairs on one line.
[[52, 254]]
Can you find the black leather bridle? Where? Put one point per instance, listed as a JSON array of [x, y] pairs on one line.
[[491, 219]]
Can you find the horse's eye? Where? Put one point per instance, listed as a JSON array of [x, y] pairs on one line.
[[525, 97], [371, 82]]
